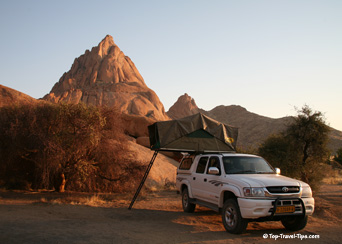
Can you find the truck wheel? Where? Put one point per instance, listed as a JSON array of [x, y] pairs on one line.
[[188, 207], [295, 222], [231, 217]]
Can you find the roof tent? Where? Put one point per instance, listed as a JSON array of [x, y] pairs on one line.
[[196, 133]]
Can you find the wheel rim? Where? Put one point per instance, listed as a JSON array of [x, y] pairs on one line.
[[185, 199], [230, 217]]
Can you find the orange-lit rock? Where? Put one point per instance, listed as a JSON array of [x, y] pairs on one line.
[[104, 76]]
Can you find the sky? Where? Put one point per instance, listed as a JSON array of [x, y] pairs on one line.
[[271, 57]]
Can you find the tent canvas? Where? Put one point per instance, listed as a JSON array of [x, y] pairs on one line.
[[196, 133]]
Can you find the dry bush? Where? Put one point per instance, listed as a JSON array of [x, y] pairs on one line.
[[85, 145], [16, 147], [116, 172], [108, 168]]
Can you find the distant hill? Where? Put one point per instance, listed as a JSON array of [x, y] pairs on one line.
[[10, 96], [253, 128]]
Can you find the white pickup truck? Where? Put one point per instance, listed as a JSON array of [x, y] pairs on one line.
[[243, 188]]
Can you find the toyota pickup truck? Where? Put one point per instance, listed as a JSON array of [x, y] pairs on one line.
[[243, 188]]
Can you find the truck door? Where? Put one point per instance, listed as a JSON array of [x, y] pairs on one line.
[[197, 178], [212, 183]]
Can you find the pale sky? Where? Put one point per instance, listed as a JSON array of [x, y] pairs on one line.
[[268, 56]]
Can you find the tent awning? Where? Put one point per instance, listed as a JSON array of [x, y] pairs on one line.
[[196, 133]]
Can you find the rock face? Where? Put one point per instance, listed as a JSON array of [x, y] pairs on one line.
[[185, 106], [10, 96], [105, 76]]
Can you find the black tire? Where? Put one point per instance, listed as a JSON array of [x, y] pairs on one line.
[[231, 217], [188, 207], [295, 223]]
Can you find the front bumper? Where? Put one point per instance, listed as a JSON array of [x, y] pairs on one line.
[[258, 208]]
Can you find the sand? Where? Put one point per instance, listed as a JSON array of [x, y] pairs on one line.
[[48, 217]]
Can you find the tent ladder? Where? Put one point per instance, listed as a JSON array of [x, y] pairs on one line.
[[143, 179]]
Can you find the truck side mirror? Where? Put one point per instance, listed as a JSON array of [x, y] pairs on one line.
[[213, 171], [277, 171]]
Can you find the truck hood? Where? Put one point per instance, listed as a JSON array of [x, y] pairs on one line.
[[264, 180]]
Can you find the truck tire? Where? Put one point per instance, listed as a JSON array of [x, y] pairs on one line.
[[295, 222], [188, 207], [231, 217]]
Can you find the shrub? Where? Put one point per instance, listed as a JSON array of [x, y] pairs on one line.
[[59, 146]]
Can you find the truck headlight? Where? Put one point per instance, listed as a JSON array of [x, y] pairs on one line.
[[254, 191], [306, 191]]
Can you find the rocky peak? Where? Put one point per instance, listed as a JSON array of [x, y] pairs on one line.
[[105, 76], [105, 63], [105, 45], [185, 106]]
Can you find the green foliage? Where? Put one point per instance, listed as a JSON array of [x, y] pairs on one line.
[[277, 150], [41, 143], [301, 150]]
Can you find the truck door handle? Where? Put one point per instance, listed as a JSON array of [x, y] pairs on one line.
[[194, 178], [205, 180]]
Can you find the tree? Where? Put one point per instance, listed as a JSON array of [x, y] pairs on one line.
[[51, 141], [275, 149], [302, 148], [73, 146], [73, 136], [309, 135]]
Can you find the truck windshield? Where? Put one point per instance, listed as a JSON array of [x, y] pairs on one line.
[[246, 165]]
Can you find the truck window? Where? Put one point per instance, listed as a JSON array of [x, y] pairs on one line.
[[246, 165], [186, 164], [214, 162], [201, 165]]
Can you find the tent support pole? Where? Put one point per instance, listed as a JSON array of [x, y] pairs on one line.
[[143, 179]]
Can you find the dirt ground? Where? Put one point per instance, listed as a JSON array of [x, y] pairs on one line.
[[47, 217]]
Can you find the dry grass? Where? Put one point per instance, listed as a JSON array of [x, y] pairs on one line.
[[333, 175], [334, 180], [93, 200]]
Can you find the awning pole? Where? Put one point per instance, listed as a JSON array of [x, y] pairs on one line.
[[143, 179]]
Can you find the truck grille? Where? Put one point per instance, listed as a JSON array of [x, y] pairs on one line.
[[283, 189], [289, 202]]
